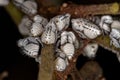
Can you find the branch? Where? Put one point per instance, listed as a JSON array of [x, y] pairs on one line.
[[86, 10], [46, 68], [104, 41], [81, 10]]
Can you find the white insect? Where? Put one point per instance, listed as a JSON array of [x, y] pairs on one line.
[[85, 28], [115, 24], [4, 2], [25, 26], [105, 24], [69, 37], [115, 38], [38, 25], [61, 61], [30, 46], [60, 22], [29, 7], [40, 19], [95, 19], [90, 50], [18, 3], [48, 36], [36, 29], [69, 50], [60, 64]]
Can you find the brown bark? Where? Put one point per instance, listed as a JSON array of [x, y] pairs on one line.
[[46, 68], [86, 10]]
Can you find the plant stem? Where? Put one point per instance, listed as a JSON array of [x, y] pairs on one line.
[[86, 10], [46, 68]]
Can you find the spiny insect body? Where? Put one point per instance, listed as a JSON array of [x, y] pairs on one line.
[[30, 46]]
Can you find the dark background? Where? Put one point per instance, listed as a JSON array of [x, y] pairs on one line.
[[21, 67]]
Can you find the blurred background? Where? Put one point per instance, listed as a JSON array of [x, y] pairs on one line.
[[21, 67]]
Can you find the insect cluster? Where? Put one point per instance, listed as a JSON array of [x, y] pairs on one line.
[[110, 26], [39, 31]]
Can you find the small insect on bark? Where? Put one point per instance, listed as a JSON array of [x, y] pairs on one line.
[[68, 43], [61, 61], [40, 19], [115, 24], [30, 46], [69, 37], [29, 7], [36, 29], [25, 26], [105, 24], [85, 28], [115, 38], [61, 22], [90, 50], [69, 50], [48, 36], [38, 25]]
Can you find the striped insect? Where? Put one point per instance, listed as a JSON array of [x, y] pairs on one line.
[[61, 61], [115, 24], [30, 46], [29, 7], [40, 19], [115, 38], [25, 26], [48, 36], [85, 28], [60, 22], [36, 29], [105, 24], [69, 37], [69, 50], [67, 43], [38, 25]]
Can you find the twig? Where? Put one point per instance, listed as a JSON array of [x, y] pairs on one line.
[[104, 41], [46, 68], [86, 10]]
